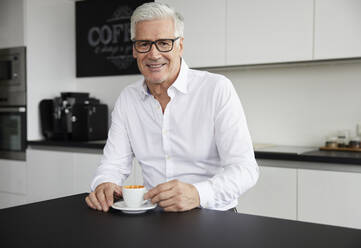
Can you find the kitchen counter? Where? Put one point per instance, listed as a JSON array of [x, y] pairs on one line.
[[68, 222], [339, 157], [98, 144], [271, 152]]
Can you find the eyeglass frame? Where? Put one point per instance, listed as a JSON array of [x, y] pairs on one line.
[[155, 43]]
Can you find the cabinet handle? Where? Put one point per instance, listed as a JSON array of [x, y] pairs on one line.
[[19, 109]]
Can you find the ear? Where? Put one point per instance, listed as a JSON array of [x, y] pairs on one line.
[[134, 53], [181, 47]]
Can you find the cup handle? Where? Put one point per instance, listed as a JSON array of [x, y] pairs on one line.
[[145, 201]]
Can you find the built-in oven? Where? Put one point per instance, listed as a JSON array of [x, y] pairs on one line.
[[12, 133], [13, 103]]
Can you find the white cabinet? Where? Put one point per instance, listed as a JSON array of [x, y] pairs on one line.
[[12, 176], [85, 165], [11, 200], [330, 197], [337, 29], [49, 174], [204, 31], [53, 174], [12, 183], [261, 31], [319, 193], [11, 23], [274, 194]]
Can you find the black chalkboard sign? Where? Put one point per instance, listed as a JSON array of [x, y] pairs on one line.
[[103, 45]]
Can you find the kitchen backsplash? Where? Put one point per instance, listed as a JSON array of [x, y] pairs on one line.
[[300, 105], [296, 105]]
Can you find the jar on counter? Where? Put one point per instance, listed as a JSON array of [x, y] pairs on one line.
[[355, 142], [343, 138], [332, 142]]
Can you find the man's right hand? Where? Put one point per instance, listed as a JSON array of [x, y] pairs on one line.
[[103, 196]]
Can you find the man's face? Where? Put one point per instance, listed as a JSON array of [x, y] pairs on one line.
[[158, 67]]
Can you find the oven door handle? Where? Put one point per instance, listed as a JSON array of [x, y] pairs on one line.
[[17, 109]]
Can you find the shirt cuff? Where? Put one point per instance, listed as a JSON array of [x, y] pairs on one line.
[[206, 194], [99, 180]]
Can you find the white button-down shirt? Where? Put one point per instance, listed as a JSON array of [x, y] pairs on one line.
[[202, 138]]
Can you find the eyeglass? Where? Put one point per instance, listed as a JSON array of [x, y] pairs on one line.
[[162, 45]]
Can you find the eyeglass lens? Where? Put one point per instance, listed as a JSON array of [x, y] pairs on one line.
[[164, 45]]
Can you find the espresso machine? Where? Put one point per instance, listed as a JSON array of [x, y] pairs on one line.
[[74, 116]]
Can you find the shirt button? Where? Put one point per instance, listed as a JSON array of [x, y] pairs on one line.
[[164, 131], [167, 157]]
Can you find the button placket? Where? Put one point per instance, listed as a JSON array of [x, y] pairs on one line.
[[157, 110], [166, 140]]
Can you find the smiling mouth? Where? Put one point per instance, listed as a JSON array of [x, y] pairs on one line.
[[155, 66]]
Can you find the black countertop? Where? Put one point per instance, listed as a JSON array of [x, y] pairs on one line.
[[337, 157], [76, 144], [68, 222]]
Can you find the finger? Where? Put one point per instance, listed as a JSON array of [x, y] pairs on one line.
[[118, 190], [95, 201], [109, 195], [89, 203], [172, 208], [102, 200], [159, 188], [163, 196], [167, 203]]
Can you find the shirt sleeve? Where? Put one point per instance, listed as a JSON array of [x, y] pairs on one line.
[[240, 170], [116, 163]]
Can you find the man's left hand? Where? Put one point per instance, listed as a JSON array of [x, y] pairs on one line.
[[174, 196]]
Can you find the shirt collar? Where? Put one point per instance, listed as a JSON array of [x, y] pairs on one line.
[[181, 83], [144, 91]]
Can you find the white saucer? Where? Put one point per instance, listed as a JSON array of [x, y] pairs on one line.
[[120, 205]]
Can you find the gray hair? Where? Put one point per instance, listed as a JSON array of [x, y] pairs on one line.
[[153, 10]]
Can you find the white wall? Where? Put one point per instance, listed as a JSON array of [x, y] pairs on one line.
[[106, 89], [295, 105], [50, 41], [299, 105]]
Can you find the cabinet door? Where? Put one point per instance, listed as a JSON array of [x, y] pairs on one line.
[[12, 176], [10, 200], [12, 183], [85, 165], [337, 29], [274, 194], [330, 197], [49, 174], [204, 31], [260, 31], [11, 23]]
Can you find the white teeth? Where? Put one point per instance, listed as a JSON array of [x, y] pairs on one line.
[[155, 66]]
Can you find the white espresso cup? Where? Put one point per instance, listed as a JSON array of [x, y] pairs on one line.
[[133, 195]]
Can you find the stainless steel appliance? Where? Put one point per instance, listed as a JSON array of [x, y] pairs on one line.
[[12, 77], [12, 133], [13, 103]]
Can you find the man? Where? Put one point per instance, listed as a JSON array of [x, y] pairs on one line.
[[185, 127]]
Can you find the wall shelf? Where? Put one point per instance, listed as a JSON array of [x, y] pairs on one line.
[[283, 64]]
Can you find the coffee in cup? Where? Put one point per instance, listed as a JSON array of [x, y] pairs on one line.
[[134, 195]]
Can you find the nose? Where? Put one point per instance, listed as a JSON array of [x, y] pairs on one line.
[[154, 53]]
